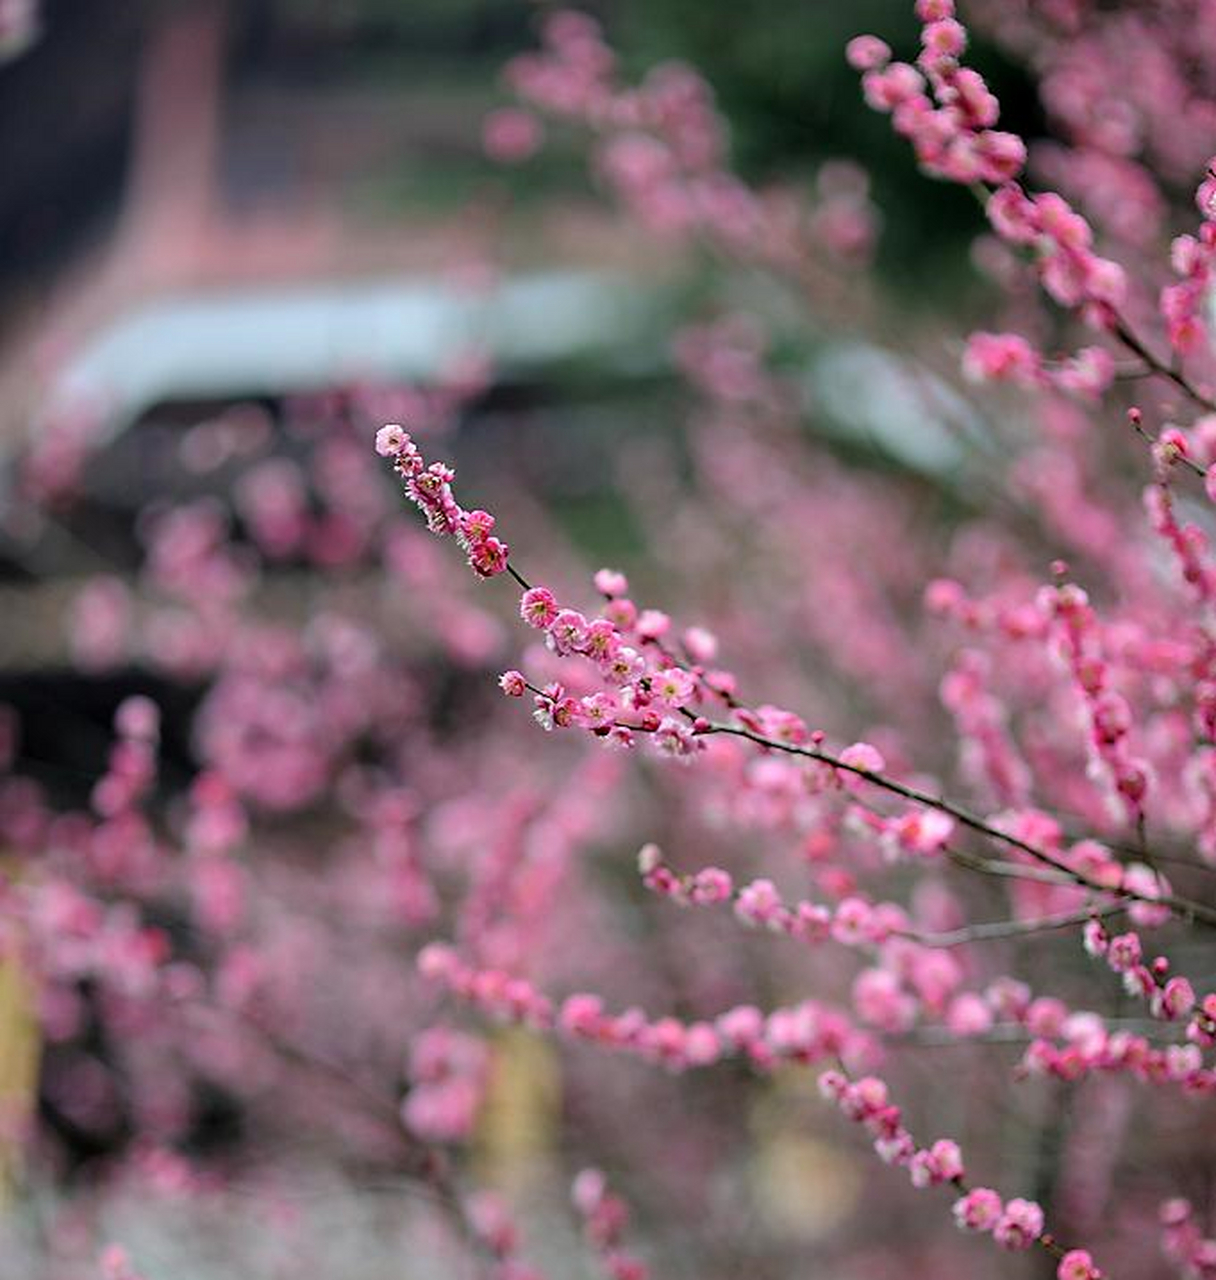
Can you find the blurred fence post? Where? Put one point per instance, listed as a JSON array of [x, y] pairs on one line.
[[20, 1046]]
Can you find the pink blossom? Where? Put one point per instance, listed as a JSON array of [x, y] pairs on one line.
[[759, 903], [979, 1210], [1001, 356], [862, 756], [611, 582], [538, 608], [879, 1001], [513, 684], [867, 53], [1019, 1226], [1077, 1264], [510, 135], [968, 1015], [391, 440], [710, 885]]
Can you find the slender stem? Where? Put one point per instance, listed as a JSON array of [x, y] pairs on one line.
[[1185, 907], [1191, 465], [962, 1187], [524, 584], [1010, 870], [939, 1037], [956, 937], [1124, 333], [1012, 928], [426, 1165]]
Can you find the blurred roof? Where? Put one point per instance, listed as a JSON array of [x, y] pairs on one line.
[[271, 342], [205, 219]]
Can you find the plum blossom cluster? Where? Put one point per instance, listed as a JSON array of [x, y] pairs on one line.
[[1169, 998], [1015, 1224], [954, 139], [69, 937], [989, 754], [1192, 257], [952, 131], [1009, 357], [646, 693], [912, 978], [1078, 640], [651, 693], [853, 921], [132, 766], [1071, 273], [1108, 658], [655, 694], [918, 831], [448, 1073], [76, 923], [605, 1218], [661, 149], [156, 944], [807, 1033], [1188, 543], [1085, 1045], [1018, 619], [635, 652], [1088, 59], [430, 489], [867, 1102], [174, 948], [1183, 1241], [489, 1220], [654, 691], [1078, 1264]]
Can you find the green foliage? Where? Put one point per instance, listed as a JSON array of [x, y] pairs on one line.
[[779, 71]]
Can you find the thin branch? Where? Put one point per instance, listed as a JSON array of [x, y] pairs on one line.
[[1010, 870], [1012, 928], [1124, 333], [1187, 908], [938, 1037]]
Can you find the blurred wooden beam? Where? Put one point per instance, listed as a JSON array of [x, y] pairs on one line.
[[20, 1052]]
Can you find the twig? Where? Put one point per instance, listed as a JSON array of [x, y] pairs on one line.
[[1012, 928]]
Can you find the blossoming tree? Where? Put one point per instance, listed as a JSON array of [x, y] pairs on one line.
[[919, 808]]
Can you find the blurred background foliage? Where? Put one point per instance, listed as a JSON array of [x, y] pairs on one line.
[[776, 65], [335, 149], [371, 111]]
